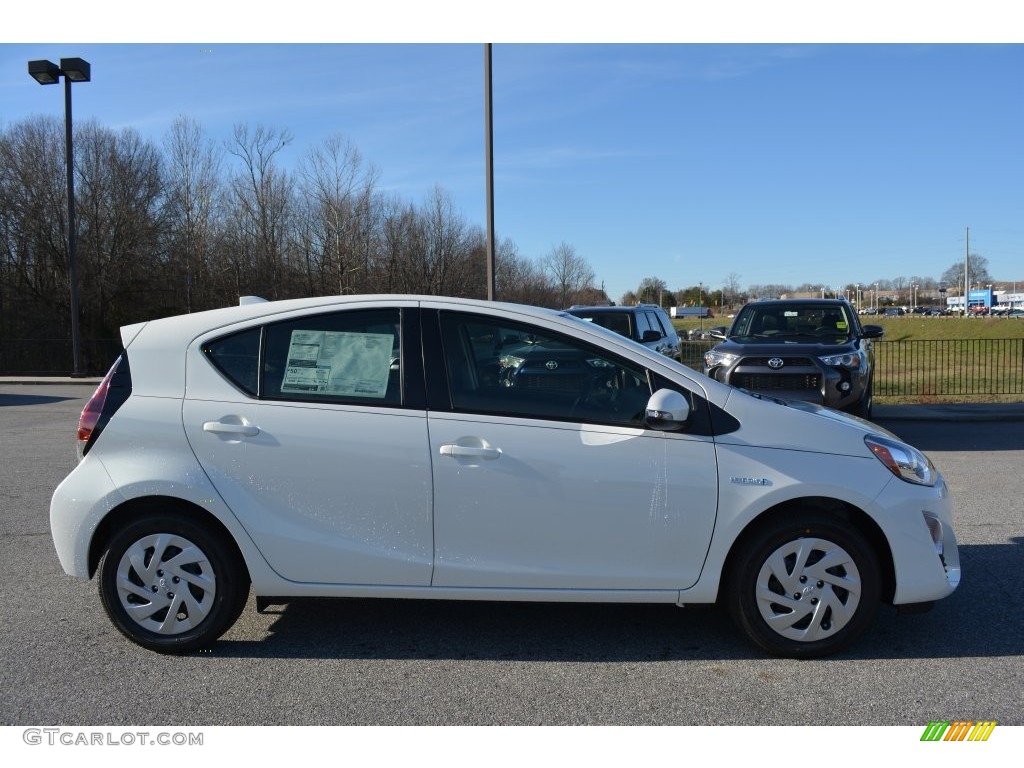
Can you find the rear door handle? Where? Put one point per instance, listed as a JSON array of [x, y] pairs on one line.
[[223, 428], [469, 452]]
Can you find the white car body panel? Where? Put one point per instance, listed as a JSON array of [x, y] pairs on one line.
[[289, 481], [561, 506]]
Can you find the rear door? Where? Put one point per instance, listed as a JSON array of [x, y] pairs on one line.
[[313, 430]]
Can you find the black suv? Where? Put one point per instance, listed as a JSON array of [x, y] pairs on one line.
[[799, 349]]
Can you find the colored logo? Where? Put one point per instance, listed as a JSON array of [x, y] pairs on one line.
[[958, 730]]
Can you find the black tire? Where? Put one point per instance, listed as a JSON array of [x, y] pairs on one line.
[[789, 600], [171, 584], [865, 404]]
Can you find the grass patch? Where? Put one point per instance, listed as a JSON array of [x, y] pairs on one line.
[[910, 328]]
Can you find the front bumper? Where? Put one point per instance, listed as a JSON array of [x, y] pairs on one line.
[[813, 382], [918, 524]]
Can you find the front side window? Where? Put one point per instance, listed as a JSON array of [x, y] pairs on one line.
[[655, 322], [340, 357], [512, 369]]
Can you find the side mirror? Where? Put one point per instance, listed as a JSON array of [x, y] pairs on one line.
[[873, 331], [667, 410], [719, 332], [650, 336]]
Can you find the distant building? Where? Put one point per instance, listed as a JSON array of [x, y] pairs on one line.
[[691, 312]]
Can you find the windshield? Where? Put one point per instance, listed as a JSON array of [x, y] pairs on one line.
[[827, 323]]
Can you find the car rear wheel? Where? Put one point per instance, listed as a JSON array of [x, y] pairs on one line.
[[804, 588], [171, 584]]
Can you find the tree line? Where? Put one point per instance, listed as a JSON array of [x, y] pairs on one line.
[[190, 224], [925, 290]]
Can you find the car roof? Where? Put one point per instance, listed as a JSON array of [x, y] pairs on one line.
[[603, 308], [157, 344], [767, 302]]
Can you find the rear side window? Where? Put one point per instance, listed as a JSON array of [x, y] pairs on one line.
[[237, 357], [614, 321], [352, 357]]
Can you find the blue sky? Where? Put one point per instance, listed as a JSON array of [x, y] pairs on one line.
[[780, 163]]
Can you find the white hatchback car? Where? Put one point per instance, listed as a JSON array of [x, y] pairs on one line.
[[424, 447]]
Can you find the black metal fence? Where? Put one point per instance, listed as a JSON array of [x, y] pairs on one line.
[[925, 368], [961, 367]]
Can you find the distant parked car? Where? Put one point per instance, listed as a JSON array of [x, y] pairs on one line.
[[895, 312], [648, 324]]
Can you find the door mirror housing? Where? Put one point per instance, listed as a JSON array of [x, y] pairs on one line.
[[667, 410]]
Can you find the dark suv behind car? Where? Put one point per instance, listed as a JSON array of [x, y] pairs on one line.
[[647, 323], [799, 349]]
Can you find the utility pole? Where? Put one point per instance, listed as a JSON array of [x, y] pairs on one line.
[[489, 171], [967, 251]]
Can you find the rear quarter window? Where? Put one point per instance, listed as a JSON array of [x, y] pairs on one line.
[[237, 357]]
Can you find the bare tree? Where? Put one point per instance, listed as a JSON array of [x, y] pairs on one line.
[[338, 188], [520, 280], [261, 195], [33, 226], [120, 240], [192, 194], [569, 272], [977, 267], [732, 288]]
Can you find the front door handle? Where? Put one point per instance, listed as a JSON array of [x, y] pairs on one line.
[[470, 451], [224, 428]]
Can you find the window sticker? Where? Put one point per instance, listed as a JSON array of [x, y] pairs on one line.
[[338, 363]]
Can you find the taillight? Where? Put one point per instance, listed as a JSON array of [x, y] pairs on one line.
[[102, 404]]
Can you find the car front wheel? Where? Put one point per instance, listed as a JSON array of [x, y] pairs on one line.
[[804, 588], [171, 584], [865, 404]]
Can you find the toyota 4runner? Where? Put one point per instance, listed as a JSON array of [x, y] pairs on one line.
[[799, 349]]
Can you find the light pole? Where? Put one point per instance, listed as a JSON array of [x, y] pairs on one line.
[[700, 303], [489, 170], [47, 73]]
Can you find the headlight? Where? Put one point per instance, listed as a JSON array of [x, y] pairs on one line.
[[842, 361], [511, 361], [712, 358], [904, 461]]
